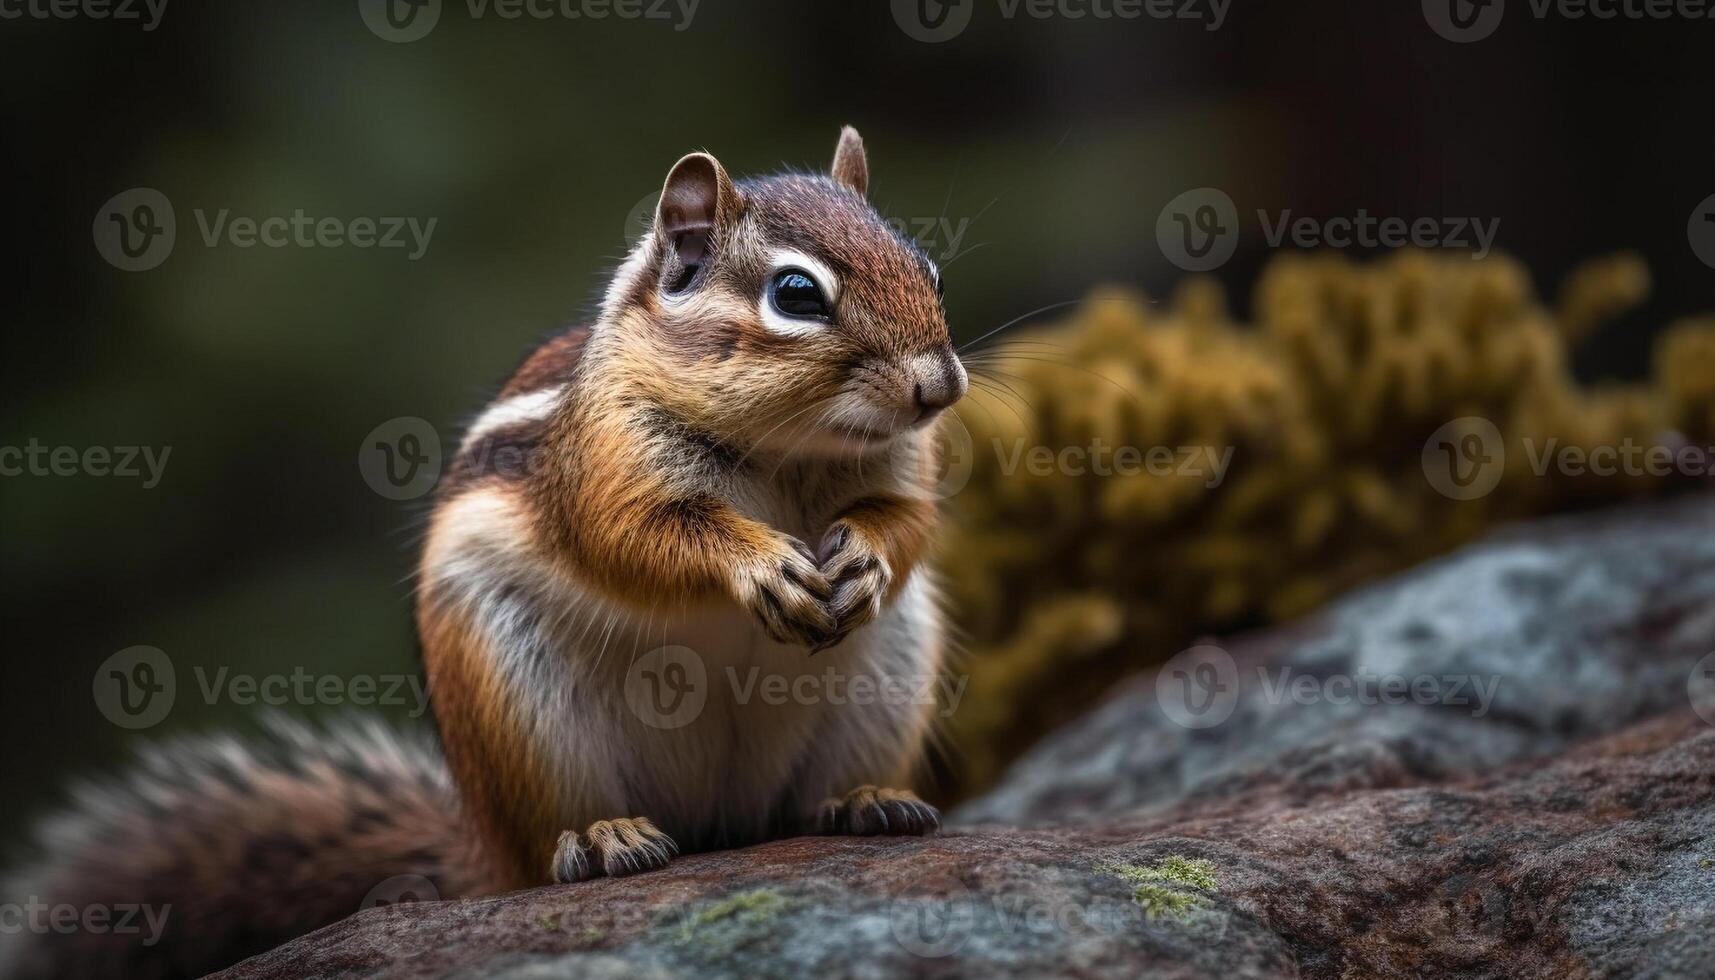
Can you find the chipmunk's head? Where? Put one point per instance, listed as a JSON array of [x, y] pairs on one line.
[[784, 312]]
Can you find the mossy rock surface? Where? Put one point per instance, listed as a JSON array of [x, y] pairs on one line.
[[1567, 829]]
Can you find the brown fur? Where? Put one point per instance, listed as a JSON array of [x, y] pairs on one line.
[[671, 392], [666, 412], [550, 364], [244, 845], [490, 758]]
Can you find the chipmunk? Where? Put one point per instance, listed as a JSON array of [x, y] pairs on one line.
[[730, 468]]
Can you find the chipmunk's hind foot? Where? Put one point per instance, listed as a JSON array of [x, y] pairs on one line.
[[871, 810], [572, 860], [612, 847], [628, 846]]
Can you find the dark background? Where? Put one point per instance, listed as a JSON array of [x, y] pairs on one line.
[[530, 141]]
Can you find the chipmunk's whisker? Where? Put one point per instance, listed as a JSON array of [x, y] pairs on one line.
[[1046, 309], [998, 397], [759, 441]]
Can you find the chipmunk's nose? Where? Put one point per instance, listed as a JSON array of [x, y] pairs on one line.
[[940, 381]]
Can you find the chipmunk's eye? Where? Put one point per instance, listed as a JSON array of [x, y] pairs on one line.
[[795, 294]]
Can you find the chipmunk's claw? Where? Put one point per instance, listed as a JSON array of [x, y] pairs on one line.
[[612, 847], [789, 596], [630, 845], [571, 860], [872, 810], [858, 576]]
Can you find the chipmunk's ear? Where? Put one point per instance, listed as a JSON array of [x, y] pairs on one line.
[[698, 200], [851, 166]]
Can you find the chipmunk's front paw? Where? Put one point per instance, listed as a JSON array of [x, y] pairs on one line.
[[627, 846], [858, 575], [788, 595], [870, 810]]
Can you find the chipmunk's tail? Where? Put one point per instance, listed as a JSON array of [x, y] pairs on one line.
[[216, 849]]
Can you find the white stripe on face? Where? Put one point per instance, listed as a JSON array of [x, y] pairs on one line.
[[790, 326], [532, 406]]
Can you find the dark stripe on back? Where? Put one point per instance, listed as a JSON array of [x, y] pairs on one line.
[[506, 455]]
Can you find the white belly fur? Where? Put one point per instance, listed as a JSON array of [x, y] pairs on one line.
[[769, 741]]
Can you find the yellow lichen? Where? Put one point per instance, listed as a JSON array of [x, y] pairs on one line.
[[1064, 582]]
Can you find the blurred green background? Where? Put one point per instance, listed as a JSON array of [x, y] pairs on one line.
[[1048, 146]]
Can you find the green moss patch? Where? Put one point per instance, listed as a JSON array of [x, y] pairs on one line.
[[1174, 887], [756, 907]]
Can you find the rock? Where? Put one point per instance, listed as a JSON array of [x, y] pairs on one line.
[[1569, 628], [1554, 816]]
